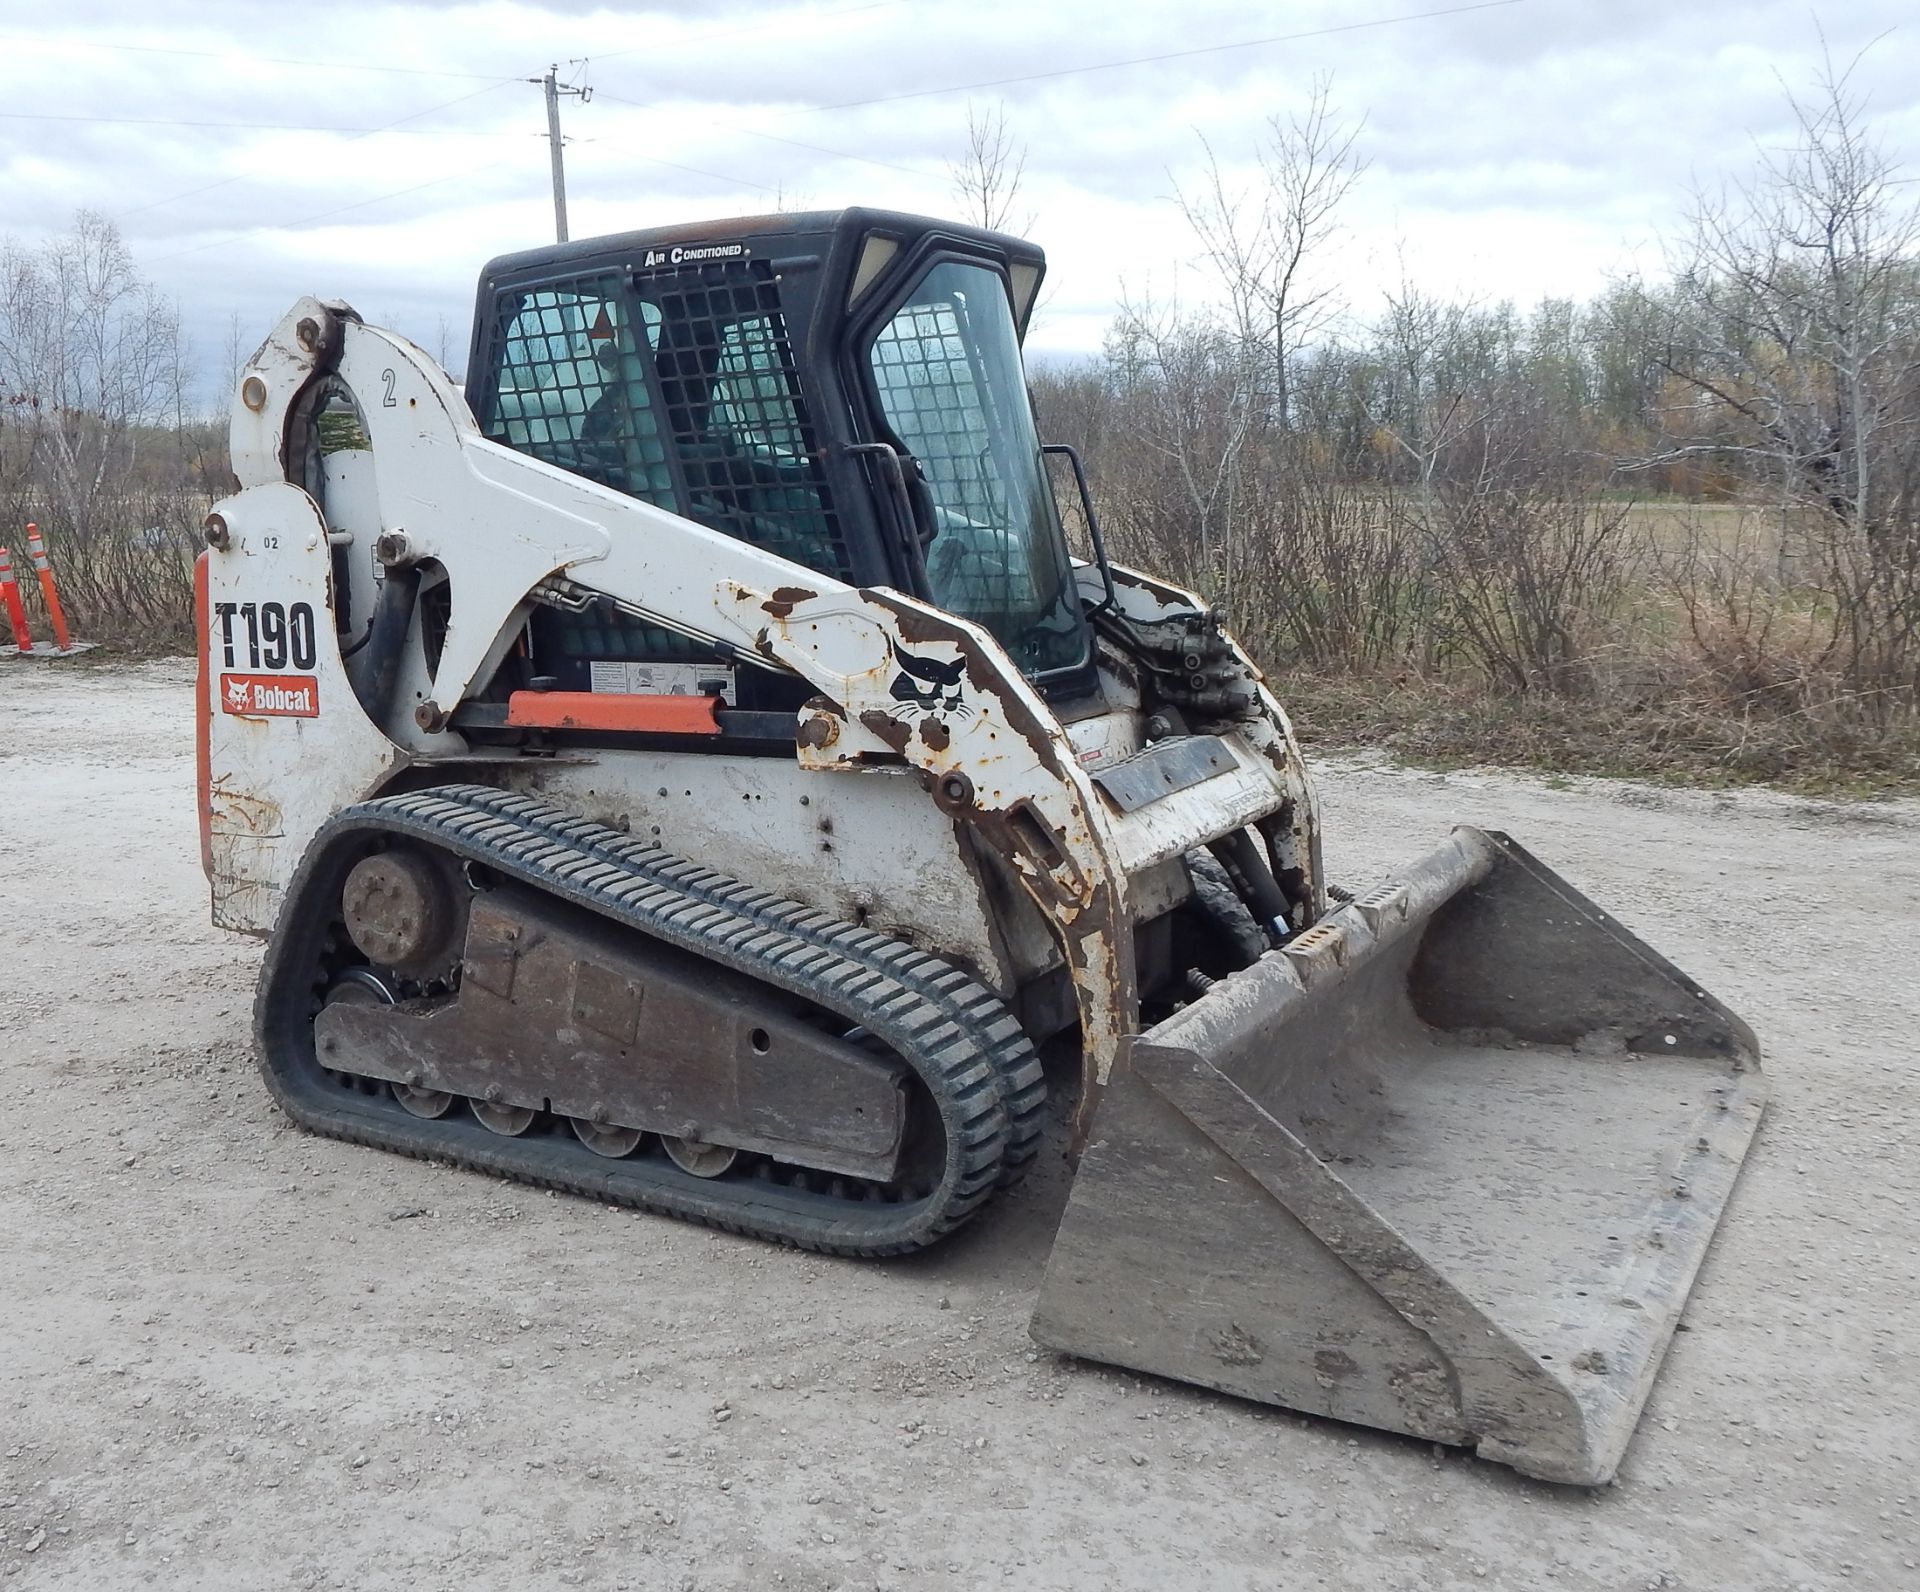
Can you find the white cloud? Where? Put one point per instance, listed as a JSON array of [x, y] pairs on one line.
[[1520, 150]]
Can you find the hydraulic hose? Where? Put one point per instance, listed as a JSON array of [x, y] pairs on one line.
[[392, 618]]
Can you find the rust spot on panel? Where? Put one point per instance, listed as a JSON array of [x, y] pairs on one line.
[[240, 812], [886, 727], [934, 733], [785, 599], [912, 623], [982, 673]]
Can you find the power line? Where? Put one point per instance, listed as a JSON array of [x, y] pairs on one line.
[[775, 138], [254, 60], [491, 83], [1032, 77], [1098, 66], [761, 28], [401, 193], [1144, 60], [250, 127], [305, 64], [324, 215], [224, 182]]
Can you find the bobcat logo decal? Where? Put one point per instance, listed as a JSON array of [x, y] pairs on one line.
[[239, 693], [928, 685]]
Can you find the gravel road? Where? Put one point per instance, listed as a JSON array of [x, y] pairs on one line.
[[235, 1356]]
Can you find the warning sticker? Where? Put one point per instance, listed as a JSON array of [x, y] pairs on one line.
[[281, 696], [620, 678]]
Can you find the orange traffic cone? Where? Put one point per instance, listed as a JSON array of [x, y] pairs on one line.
[[10, 596], [37, 551]]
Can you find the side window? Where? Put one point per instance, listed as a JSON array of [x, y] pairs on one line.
[[924, 371], [947, 376], [569, 387]]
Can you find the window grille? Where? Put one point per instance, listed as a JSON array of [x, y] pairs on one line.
[[737, 415], [571, 387]]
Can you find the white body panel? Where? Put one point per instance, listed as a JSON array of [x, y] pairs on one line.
[[275, 777], [814, 840]]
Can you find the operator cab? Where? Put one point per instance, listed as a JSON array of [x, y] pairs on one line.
[[842, 388]]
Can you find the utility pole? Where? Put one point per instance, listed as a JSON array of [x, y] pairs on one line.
[[554, 89]]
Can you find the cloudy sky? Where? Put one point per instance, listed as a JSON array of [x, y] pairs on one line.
[[381, 153]]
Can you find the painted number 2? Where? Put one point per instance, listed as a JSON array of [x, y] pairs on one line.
[[273, 635], [389, 402]]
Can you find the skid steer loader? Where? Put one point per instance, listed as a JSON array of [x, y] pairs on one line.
[[689, 769]]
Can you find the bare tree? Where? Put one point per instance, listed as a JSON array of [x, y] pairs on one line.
[[93, 374], [1184, 374], [1789, 326], [1209, 387], [1263, 244], [1794, 345], [986, 179], [445, 349], [789, 200]]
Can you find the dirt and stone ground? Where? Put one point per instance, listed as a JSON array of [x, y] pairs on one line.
[[235, 1356]]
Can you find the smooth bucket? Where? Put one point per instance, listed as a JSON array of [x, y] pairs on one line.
[[1447, 1165]]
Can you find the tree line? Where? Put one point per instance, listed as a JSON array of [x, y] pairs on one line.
[[1674, 525]]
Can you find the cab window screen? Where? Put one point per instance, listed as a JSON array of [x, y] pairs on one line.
[[946, 372], [736, 413], [570, 387]]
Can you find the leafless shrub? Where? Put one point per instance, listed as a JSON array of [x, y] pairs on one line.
[[1529, 557], [1793, 344], [1345, 589], [95, 444]]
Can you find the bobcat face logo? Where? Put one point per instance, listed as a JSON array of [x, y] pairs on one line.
[[928, 685], [239, 695]]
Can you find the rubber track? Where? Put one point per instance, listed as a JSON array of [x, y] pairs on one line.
[[937, 982], [967, 1049]]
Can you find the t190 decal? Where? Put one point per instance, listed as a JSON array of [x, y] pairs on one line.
[[265, 635]]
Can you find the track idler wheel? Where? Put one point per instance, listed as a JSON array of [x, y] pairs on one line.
[[423, 1102], [699, 1157], [361, 986], [507, 1121], [606, 1138]]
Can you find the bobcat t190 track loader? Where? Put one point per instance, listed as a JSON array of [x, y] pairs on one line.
[[689, 769]]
